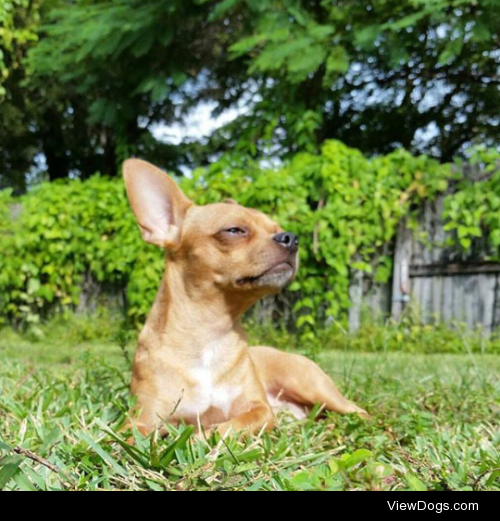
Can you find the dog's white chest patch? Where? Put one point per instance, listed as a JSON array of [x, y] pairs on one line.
[[207, 393]]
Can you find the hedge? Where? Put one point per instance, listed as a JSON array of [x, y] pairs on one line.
[[344, 206]]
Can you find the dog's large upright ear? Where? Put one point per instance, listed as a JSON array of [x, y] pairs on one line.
[[157, 202]]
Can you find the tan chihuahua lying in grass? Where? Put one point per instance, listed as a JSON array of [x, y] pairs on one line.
[[193, 363]]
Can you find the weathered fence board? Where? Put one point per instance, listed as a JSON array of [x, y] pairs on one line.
[[444, 282], [448, 284]]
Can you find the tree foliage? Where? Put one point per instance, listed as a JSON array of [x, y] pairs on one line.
[[136, 64], [85, 83], [421, 74], [18, 32], [18, 20]]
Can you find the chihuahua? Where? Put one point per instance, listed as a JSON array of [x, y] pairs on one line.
[[193, 363]]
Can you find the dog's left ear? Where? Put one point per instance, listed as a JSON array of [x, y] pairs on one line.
[[158, 203]]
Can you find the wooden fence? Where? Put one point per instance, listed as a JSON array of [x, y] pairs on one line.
[[443, 282]]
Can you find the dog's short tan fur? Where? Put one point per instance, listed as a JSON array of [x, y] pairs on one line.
[[193, 363]]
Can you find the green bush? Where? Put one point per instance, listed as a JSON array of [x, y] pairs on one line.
[[473, 210], [345, 207], [65, 232]]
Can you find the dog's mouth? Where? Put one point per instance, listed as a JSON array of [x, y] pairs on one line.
[[277, 269]]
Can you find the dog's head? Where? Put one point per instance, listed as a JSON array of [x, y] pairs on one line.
[[236, 249]]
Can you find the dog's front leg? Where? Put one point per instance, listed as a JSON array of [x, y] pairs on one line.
[[259, 417]]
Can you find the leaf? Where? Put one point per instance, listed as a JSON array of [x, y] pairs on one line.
[[337, 61], [301, 16], [303, 481], [4, 446], [274, 57], [33, 286], [320, 32], [223, 8], [415, 484], [367, 36], [451, 51], [307, 62], [9, 468], [103, 454], [144, 44], [480, 33], [466, 243], [406, 21], [356, 458], [131, 450], [169, 454], [247, 44], [494, 476]]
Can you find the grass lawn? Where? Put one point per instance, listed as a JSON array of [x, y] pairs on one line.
[[435, 426]]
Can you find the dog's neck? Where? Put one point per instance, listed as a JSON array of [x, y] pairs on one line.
[[189, 315]]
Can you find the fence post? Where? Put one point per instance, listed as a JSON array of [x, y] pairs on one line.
[[356, 296], [401, 272]]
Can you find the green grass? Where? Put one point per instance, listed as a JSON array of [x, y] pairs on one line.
[[435, 426]]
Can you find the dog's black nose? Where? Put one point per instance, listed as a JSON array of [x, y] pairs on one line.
[[288, 240]]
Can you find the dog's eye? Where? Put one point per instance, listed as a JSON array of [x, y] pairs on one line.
[[228, 235], [235, 231]]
